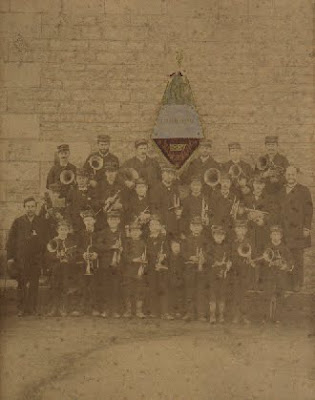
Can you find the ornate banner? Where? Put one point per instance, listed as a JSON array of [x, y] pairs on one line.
[[177, 131]]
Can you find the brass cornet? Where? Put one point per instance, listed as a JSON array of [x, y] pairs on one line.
[[204, 212], [212, 177], [67, 176], [143, 262], [53, 247], [234, 208], [160, 258], [96, 163], [110, 201], [245, 250], [91, 265], [117, 252]]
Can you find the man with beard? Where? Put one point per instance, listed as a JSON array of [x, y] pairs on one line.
[[166, 202], [201, 164], [103, 143], [61, 165], [25, 250], [146, 167], [276, 165], [296, 208]]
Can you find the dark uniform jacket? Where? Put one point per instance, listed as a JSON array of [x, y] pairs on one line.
[[27, 239], [134, 206], [240, 266], [149, 169], [296, 209], [54, 177], [220, 208], [280, 161], [107, 158], [245, 167], [216, 253], [154, 246], [198, 167], [84, 240], [65, 254], [162, 200], [192, 205], [78, 201], [190, 246], [107, 239], [133, 249]]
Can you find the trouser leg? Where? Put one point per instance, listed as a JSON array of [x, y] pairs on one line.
[[298, 271]]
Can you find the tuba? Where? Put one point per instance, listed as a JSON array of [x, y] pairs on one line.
[[96, 163], [52, 245], [262, 163], [235, 171], [67, 176], [212, 177], [245, 250]]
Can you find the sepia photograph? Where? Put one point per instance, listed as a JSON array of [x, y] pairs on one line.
[[157, 180]]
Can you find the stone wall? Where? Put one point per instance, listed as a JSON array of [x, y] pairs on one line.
[[74, 68]]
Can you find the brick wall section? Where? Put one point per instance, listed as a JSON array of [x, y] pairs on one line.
[[74, 68]]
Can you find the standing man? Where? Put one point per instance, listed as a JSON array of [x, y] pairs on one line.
[[25, 249], [296, 214], [239, 170], [146, 167], [201, 164], [103, 143], [63, 164], [276, 164]]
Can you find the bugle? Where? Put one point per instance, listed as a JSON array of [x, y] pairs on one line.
[[212, 177], [67, 176]]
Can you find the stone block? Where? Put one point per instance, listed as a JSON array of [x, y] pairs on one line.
[[19, 171], [85, 7], [196, 8], [133, 6], [8, 212], [5, 5], [24, 76], [19, 126], [27, 25], [261, 7], [35, 6]]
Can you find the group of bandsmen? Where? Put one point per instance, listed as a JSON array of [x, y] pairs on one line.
[[141, 239]]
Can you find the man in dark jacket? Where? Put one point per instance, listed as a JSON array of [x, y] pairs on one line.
[[25, 248], [106, 157], [61, 165], [296, 216]]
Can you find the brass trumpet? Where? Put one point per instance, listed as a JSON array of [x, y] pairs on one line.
[[96, 163], [234, 208], [91, 265], [160, 258], [212, 177], [200, 259], [67, 177], [204, 212], [222, 263], [117, 252]]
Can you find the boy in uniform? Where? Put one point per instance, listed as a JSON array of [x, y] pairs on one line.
[[241, 251], [65, 273], [276, 270], [135, 263], [175, 262], [109, 274], [220, 264], [80, 198], [88, 256], [195, 276], [157, 272]]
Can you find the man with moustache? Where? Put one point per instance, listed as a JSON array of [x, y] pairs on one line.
[[61, 165], [296, 212], [25, 249], [146, 167], [103, 144]]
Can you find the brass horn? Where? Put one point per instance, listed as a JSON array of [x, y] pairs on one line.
[[212, 177], [67, 176], [96, 162], [262, 163], [235, 171], [52, 245], [245, 250]]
